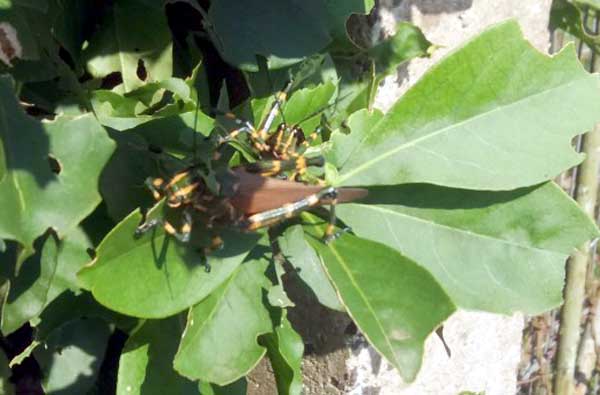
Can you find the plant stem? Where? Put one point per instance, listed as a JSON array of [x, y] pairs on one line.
[[587, 191]]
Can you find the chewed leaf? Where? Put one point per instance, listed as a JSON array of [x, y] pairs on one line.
[[51, 170], [134, 40], [460, 124]]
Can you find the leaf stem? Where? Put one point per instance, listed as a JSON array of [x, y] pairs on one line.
[[586, 195]]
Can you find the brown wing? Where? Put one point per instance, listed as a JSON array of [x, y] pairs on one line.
[[256, 193]]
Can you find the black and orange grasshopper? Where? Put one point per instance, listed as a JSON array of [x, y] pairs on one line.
[[253, 195]]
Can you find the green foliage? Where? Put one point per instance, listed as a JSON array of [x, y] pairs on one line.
[[461, 212]]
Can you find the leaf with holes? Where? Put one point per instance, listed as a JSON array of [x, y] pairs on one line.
[[460, 124], [219, 344], [134, 40], [338, 12], [363, 69], [52, 171], [486, 249]]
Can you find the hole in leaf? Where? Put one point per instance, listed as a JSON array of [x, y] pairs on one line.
[[10, 47], [91, 252], [112, 80], [54, 164], [141, 70]]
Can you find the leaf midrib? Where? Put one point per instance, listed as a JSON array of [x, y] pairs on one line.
[[375, 160], [366, 302]]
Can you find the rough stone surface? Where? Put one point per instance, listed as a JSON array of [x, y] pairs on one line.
[[449, 23], [485, 347], [485, 350]]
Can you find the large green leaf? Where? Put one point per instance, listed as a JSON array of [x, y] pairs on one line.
[[146, 363], [134, 33], [72, 356], [283, 31], [44, 276], [33, 196], [285, 349], [484, 129], [219, 344], [486, 249], [155, 276], [396, 318], [306, 261]]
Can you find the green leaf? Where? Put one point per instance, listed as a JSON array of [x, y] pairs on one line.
[[69, 20], [33, 197], [154, 276], [285, 32], [72, 356], [126, 171], [466, 134], [395, 319], [567, 17], [592, 3], [219, 344], [486, 249], [69, 307], [285, 349], [146, 363], [363, 69], [306, 106], [134, 33], [343, 144], [6, 387], [338, 12], [306, 261], [44, 276]]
